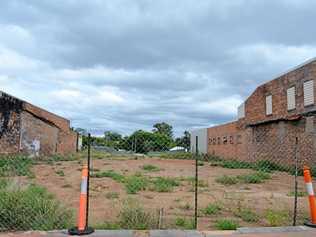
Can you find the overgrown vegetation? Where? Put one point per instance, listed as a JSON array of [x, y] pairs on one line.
[[17, 165], [151, 168], [109, 174], [211, 209], [134, 216], [277, 217], [227, 180], [254, 178], [136, 183], [226, 224], [246, 214], [164, 184], [184, 223], [31, 208]]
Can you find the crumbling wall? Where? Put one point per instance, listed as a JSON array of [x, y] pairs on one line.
[[67, 142], [37, 136], [10, 109]]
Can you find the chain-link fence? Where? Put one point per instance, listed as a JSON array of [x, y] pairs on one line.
[[147, 181]]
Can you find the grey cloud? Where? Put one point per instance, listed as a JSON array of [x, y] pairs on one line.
[[157, 60]]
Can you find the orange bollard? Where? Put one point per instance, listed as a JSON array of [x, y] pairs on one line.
[[311, 197], [82, 228]]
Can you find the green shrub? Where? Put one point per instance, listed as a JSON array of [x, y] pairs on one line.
[[134, 216], [112, 195], [15, 166], [269, 166], [226, 224], [150, 168], [254, 178], [109, 174], [277, 217], [31, 208], [200, 163], [135, 183], [211, 209], [247, 215], [162, 184], [184, 223], [227, 180], [299, 194]]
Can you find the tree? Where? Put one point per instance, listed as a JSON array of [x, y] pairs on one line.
[[184, 141], [112, 139], [164, 129]]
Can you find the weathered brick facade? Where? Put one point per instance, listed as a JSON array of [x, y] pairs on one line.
[[258, 136], [27, 129]]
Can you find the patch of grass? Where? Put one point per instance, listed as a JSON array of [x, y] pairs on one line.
[[60, 173], [227, 180], [299, 194], [255, 178], [109, 174], [211, 209], [226, 224], [134, 216], [31, 208], [150, 168], [163, 184], [112, 195], [135, 183], [17, 165], [183, 223], [247, 215], [277, 217], [200, 163]]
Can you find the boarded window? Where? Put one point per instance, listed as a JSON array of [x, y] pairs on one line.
[[308, 92], [290, 98], [241, 111], [269, 105]]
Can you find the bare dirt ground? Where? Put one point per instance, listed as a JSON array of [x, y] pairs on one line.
[[273, 194]]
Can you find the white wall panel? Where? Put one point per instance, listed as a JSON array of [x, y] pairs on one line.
[[241, 111], [269, 105], [291, 104], [202, 140], [308, 92]]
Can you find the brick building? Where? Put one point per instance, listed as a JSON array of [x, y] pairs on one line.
[[27, 129], [269, 122]]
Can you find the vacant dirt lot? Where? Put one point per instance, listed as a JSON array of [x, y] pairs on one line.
[[270, 201]]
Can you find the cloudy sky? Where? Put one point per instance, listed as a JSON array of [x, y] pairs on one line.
[[123, 65]]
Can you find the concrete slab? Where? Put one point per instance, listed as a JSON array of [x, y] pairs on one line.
[[175, 233], [246, 230]]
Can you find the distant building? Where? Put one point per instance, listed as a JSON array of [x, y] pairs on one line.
[[27, 129], [269, 121]]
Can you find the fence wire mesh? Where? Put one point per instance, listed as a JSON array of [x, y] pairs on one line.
[[146, 181]]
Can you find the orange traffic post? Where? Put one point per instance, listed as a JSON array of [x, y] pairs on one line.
[[83, 213], [311, 197]]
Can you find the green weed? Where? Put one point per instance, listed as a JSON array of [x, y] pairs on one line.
[[246, 214], [151, 168], [109, 174], [163, 184], [60, 173], [15, 166], [277, 217], [31, 208], [184, 223], [211, 209], [226, 224], [227, 180], [134, 216], [134, 184]]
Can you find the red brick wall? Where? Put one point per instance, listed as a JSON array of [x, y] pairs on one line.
[[58, 121], [67, 142], [37, 136], [255, 104], [228, 140]]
